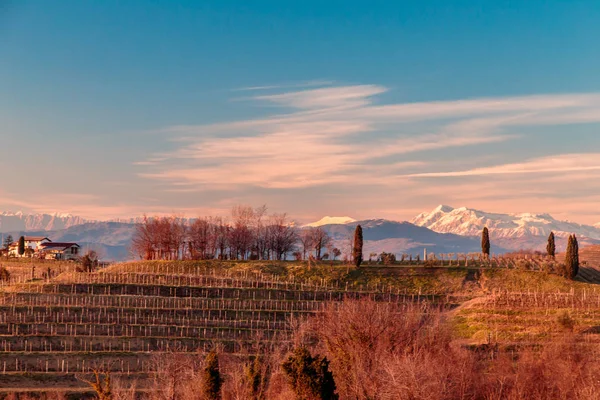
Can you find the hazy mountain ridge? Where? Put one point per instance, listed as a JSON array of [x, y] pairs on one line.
[[401, 237], [110, 239], [19, 221], [443, 230]]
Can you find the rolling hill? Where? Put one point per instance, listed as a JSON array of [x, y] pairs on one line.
[[402, 237]]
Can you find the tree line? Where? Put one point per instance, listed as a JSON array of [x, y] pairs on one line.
[[569, 269], [248, 234]]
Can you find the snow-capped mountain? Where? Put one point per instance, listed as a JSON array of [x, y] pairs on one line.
[[516, 231], [19, 221], [331, 221]]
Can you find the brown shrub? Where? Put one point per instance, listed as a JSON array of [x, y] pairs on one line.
[[177, 377], [385, 350], [562, 370]]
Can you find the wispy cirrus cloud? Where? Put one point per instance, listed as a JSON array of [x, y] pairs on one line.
[[306, 84], [326, 98], [335, 135], [561, 163]]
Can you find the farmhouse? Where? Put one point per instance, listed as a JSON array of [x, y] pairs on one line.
[[32, 245], [59, 250]]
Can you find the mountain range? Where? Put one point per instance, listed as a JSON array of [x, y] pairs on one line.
[[19, 221], [510, 231], [442, 230]]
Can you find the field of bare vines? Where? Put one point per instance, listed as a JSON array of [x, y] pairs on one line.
[[122, 318], [132, 318]]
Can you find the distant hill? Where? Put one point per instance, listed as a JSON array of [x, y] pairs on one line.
[[402, 237]]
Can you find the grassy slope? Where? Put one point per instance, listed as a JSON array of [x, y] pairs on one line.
[[412, 279], [477, 320]]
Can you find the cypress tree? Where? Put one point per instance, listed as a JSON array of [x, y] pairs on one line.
[[255, 375], [575, 256], [485, 242], [357, 248], [551, 246], [21, 248], [211, 377], [572, 258]]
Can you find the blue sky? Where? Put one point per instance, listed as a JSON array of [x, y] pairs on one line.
[[368, 109]]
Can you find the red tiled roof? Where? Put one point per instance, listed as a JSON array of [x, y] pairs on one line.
[[35, 238], [63, 245]]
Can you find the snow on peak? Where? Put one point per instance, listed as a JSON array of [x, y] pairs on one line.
[[20, 221], [443, 208], [469, 222], [332, 221]]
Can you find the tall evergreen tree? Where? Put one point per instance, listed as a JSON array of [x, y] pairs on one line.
[[568, 256], [256, 372], [575, 256], [21, 247], [357, 248], [551, 246], [7, 242], [572, 258], [485, 242], [309, 377], [211, 377]]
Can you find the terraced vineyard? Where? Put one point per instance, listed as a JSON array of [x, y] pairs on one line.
[[516, 319], [125, 317], [52, 331]]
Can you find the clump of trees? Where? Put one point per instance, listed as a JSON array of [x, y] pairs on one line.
[[89, 261], [249, 234], [309, 377], [387, 258]]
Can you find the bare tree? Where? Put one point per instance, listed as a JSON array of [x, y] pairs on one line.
[[240, 234], [282, 235], [144, 242], [260, 247], [306, 240], [200, 238], [320, 241]]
